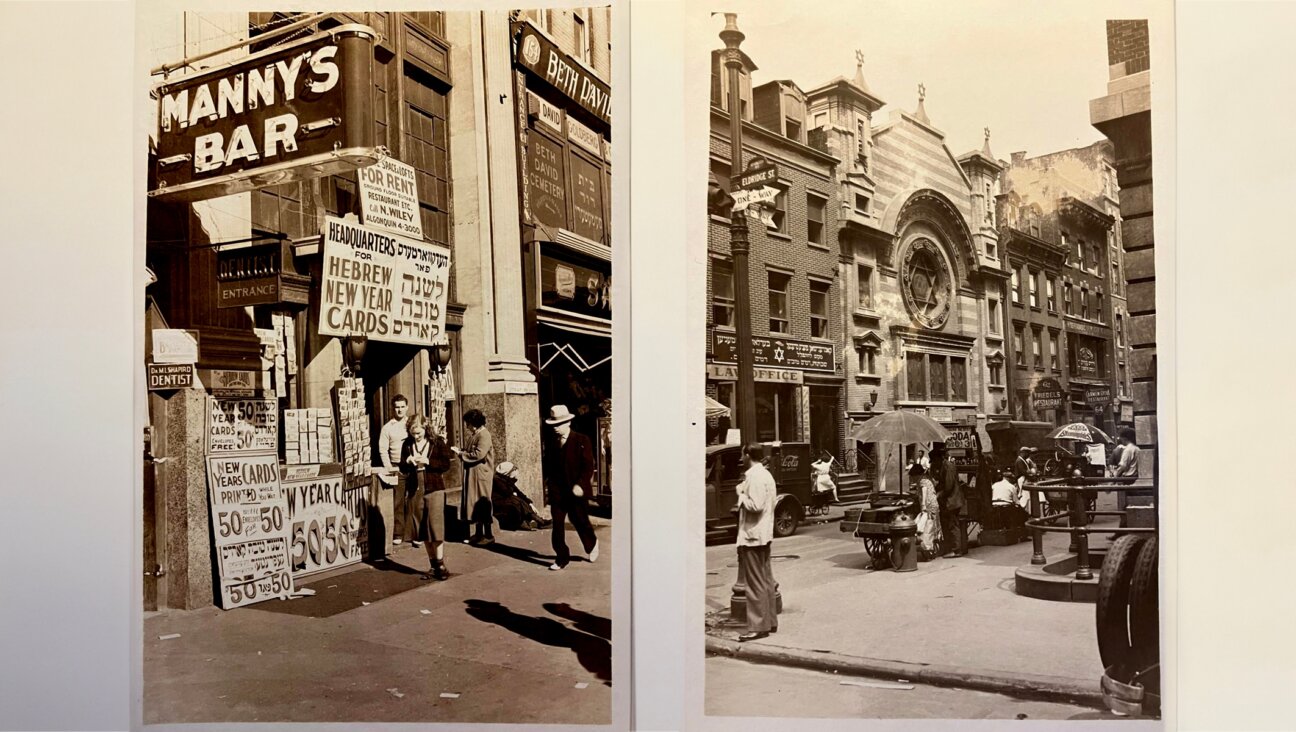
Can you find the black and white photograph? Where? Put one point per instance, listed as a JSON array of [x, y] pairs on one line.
[[377, 338], [931, 486]]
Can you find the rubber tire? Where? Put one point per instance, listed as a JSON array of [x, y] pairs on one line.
[[784, 512], [1145, 633], [1112, 616]]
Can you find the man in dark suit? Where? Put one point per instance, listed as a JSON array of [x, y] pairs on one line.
[[953, 504], [569, 473]]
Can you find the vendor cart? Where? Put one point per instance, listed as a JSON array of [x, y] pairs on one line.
[[872, 522]]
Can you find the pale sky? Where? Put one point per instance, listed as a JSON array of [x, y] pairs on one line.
[[1025, 70]]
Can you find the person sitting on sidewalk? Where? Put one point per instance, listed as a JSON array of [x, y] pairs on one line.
[[1007, 504]]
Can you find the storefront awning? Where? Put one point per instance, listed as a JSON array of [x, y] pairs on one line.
[[571, 327]]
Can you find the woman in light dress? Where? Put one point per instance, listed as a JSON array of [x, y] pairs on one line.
[[928, 520]]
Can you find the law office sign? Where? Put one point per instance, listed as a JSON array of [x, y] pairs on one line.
[[288, 113]]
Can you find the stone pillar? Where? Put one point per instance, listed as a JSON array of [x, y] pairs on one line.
[[190, 579], [497, 377]]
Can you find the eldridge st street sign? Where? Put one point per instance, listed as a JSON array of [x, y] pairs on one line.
[[287, 113]]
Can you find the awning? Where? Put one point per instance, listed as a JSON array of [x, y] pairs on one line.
[[549, 351], [715, 409], [571, 327]]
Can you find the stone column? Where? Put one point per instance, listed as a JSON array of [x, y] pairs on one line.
[[190, 578]]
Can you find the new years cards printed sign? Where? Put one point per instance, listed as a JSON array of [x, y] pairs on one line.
[[249, 528]]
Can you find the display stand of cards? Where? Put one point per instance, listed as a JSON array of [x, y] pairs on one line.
[[353, 430]]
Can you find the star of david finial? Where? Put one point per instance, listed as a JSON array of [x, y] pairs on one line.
[[987, 134], [859, 58], [922, 92]]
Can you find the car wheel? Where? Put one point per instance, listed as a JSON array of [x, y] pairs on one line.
[[1145, 635], [785, 519], [1113, 600]]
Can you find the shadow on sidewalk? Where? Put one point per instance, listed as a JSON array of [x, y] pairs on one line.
[[593, 652], [521, 554], [592, 624], [367, 582]]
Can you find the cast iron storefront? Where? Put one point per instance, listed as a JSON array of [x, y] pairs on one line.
[[564, 154]]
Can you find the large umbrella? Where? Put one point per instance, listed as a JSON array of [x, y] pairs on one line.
[[902, 428], [715, 409], [1080, 432]]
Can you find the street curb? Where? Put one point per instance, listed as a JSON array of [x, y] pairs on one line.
[[1030, 686]]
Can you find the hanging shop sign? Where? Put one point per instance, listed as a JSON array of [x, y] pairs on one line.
[[1098, 397], [574, 288], [1048, 394], [729, 372], [540, 56], [389, 197], [170, 376], [249, 527], [326, 520], [779, 353], [254, 275], [242, 425], [289, 113], [963, 445], [171, 345], [382, 285]]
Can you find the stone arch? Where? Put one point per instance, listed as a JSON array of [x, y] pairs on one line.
[[930, 209]]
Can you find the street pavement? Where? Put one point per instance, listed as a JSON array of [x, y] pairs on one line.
[[957, 613], [504, 640], [738, 689]]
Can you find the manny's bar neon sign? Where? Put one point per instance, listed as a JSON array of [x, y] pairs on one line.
[[284, 114], [544, 59]]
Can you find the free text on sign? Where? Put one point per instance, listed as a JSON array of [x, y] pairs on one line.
[[382, 285]]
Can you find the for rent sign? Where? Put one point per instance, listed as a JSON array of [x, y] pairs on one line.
[[249, 527], [383, 286], [290, 112], [389, 197]]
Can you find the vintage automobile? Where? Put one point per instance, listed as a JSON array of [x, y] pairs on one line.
[[789, 462]]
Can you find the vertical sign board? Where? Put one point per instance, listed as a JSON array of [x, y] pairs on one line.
[[389, 197], [546, 181], [383, 286], [587, 199], [249, 527], [326, 518]]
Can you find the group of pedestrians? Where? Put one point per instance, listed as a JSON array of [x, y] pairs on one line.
[[942, 505], [415, 459]]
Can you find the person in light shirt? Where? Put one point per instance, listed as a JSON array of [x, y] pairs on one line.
[[756, 496], [1007, 503]]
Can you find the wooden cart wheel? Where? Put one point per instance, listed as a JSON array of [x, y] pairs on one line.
[[1145, 635], [1113, 600], [879, 549]]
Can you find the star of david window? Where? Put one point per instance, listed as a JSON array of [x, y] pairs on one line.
[[927, 284]]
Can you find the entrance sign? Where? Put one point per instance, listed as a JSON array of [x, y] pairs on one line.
[[284, 114], [242, 425], [383, 286], [326, 519], [249, 528], [389, 197]]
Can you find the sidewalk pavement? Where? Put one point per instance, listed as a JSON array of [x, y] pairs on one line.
[[515, 642], [954, 621]]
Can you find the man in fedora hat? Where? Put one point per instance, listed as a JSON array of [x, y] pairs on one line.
[[568, 472]]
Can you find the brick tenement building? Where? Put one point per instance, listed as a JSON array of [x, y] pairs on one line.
[[794, 281], [1066, 303], [1124, 115]]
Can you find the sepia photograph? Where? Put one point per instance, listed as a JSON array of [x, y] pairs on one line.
[[377, 339], [931, 480]]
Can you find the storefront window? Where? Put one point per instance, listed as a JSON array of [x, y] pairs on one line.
[[776, 417]]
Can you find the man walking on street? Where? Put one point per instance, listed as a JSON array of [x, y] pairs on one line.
[[756, 495], [390, 440], [569, 472], [949, 493]]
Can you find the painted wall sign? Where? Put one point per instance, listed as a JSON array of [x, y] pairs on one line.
[[587, 199], [242, 425], [575, 288], [249, 528], [941, 414], [546, 181], [326, 520], [291, 112], [541, 57], [169, 376], [389, 197], [171, 345], [779, 352], [382, 285], [728, 372]]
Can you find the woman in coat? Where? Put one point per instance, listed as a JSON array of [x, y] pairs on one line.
[[424, 458], [479, 467]]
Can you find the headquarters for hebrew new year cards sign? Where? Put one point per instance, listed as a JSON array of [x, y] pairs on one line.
[[382, 285]]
